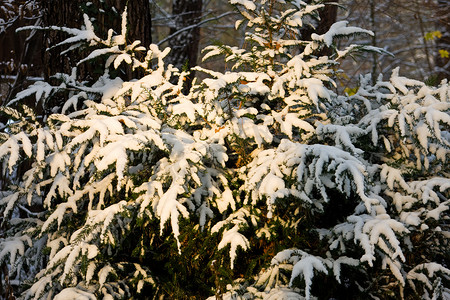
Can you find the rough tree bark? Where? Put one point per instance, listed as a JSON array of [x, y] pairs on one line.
[[58, 13], [68, 13], [107, 14], [140, 22]]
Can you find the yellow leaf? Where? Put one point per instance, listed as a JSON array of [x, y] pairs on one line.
[[429, 36], [444, 53], [351, 91]]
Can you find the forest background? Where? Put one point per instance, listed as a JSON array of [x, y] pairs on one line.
[[416, 33]]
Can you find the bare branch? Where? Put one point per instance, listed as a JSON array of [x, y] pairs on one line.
[[194, 26]]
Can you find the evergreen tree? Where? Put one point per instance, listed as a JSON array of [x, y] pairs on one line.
[[261, 182]]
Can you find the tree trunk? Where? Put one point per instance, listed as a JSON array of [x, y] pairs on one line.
[[327, 15], [185, 45], [25, 55], [108, 15], [59, 13], [443, 43], [139, 22]]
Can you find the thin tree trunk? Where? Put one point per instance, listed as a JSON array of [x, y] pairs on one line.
[[443, 43], [185, 45], [30, 47], [373, 26]]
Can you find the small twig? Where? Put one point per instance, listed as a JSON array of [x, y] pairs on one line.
[[193, 26], [28, 211], [214, 269], [23, 59], [6, 289]]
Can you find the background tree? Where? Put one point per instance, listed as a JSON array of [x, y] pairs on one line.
[[442, 17], [68, 14], [107, 13], [20, 52], [58, 13], [327, 17], [403, 28], [185, 45]]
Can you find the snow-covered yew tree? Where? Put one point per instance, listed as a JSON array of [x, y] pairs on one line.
[[260, 183]]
